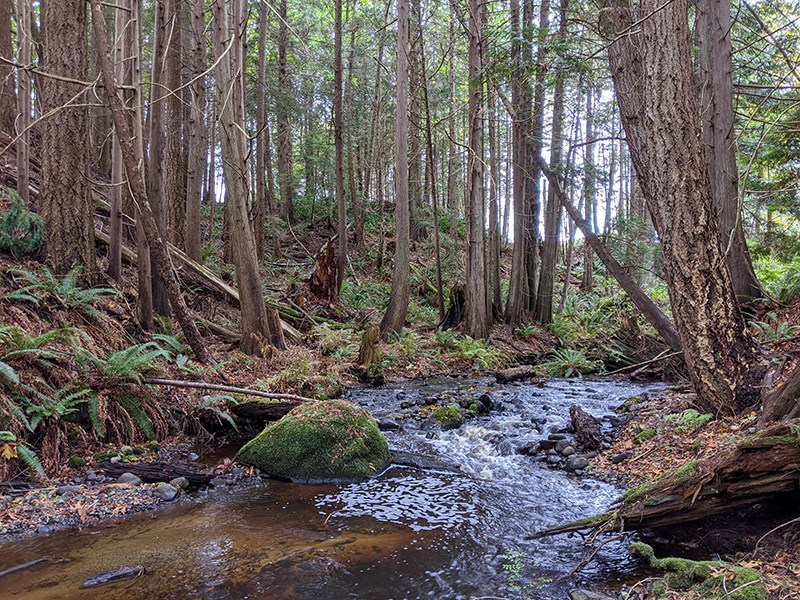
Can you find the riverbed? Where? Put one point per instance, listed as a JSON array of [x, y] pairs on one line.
[[452, 531]]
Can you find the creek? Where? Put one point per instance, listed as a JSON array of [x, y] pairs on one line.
[[448, 532]]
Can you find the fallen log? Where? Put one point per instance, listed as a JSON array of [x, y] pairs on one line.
[[515, 374], [258, 414], [761, 467], [225, 388], [157, 471]]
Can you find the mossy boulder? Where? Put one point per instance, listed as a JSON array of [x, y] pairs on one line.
[[449, 417], [332, 440]]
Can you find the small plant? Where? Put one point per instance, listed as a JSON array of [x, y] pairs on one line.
[[21, 231], [123, 366], [688, 420], [10, 449], [479, 352], [567, 362], [768, 332], [217, 404], [645, 435]]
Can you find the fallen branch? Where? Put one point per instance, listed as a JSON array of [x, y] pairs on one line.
[[225, 388], [636, 367]]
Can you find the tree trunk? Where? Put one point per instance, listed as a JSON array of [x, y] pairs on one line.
[[589, 188], [197, 151], [716, 101], [285, 179], [395, 316], [174, 159], [338, 137], [136, 181], [230, 81], [65, 202], [452, 156], [24, 57], [652, 74], [156, 137], [8, 96], [476, 315], [543, 309]]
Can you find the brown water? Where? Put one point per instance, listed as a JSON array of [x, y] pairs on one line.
[[405, 534]]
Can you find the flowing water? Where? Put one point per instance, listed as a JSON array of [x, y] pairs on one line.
[[455, 531]]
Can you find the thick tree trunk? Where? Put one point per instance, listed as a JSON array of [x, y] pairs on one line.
[[230, 81], [197, 151], [338, 138], [174, 158], [652, 73], [265, 192], [395, 316], [65, 199], [716, 101], [136, 181], [476, 313]]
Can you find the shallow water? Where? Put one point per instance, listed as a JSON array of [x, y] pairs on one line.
[[406, 534]]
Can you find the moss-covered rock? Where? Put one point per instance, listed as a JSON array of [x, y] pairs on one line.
[[449, 417], [320, 441], [707, 578]]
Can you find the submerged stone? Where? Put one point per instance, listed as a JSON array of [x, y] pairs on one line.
[[319, 441]]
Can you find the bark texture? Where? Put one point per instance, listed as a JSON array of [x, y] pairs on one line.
[[65, 200], [652, 72]]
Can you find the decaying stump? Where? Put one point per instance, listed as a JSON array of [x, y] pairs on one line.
[[454, 314], [369, 367], [587, 428], [759, 468], [157, 471], [515, 374], [323, 279]]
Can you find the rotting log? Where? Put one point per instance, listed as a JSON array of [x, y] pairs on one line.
[[158, 471], [761, 467], [515, 374], [257, 414]]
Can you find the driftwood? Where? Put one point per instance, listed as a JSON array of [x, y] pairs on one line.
[[515, 374], [22, 567], [760, 468], [587, 428], [157, 471]]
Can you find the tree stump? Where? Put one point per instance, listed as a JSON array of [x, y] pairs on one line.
[[587, 428], [455, 314], [323, 279], [370, 368]]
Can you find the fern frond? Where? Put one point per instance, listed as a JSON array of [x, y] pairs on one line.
[[8, 373], [29, 458]]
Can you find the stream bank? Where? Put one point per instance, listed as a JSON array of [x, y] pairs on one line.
[[444, 532]]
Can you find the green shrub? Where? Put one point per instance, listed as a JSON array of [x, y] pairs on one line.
[[478, 351], [567, 362], [21, 231]]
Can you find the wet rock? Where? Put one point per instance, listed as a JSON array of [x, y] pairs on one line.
[[91, 476], [129, 478], [405, 405], [431, 400], [575, 463], [553, 459], [530, 449], [590, 455], [192, 457], [587, 595], [568, 451], [486, 401], [385, 424], [180, 482], [561, 444], [621, 457], [42, 529], [219, 482], [166, 491], [67, 489], [556, 436], [545, 445], [539, 421]]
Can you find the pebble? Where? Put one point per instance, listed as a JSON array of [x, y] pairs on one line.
[[114, 460], [575, 463], [553, 460], [129, 478], [192, 456], [568, 451], [166, 491], [91, 476], [618, 458], [67, 489], [561, 444], [219, 482], [42, 529]]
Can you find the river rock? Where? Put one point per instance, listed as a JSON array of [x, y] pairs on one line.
[[576, 463], [318, 441], [388, 425], [555, 437], [545, 445], [166, 491], [129, 478], [621, 457], [561, 444], [568, 451], [67, 489], [486, 401], [180, 482]]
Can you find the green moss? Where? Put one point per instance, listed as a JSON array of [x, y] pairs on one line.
[[772, 440], [676, 477], [645, 434], [632, 401], [317, 441], [76, 462], [707, 578], [105, 455], [449, 417], [153, 446]]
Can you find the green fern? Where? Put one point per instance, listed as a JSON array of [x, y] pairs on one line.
[[93, 410], [567, 362], [21, 231], [136, 411], [30, 458], [8, 374], [128, 364], [210, 403], [67, 290]]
